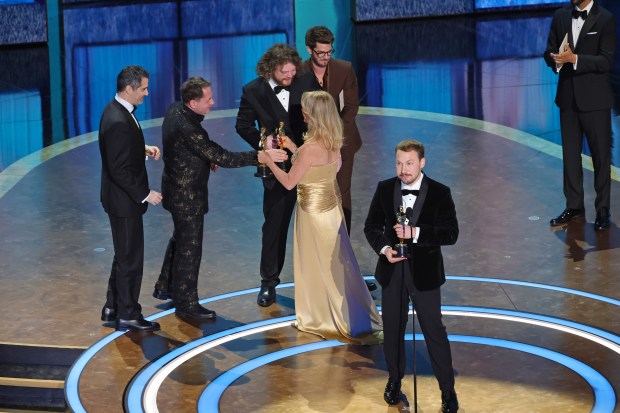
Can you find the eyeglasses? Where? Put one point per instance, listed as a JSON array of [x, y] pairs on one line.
[[323, 54]]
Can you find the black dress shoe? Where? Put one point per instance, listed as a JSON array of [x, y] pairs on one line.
[[566, 216], [136, 325], [108, 314], [602, 220], [371, 286], [162, 295], [392, 392], [266, 296], [195, 311], [449, 402]]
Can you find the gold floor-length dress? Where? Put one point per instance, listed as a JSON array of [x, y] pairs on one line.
[[331, 297]]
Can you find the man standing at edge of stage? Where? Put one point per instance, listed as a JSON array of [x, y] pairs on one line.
[[585, 98], [124, 195]]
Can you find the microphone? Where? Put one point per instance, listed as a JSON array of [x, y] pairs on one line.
[[409, 214]]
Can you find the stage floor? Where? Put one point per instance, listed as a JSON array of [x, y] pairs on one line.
[[532, 311]]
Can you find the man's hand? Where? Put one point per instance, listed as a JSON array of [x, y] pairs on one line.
[[565, 57], [272, 155], [154, 198], [390, 255], [404, 231], [152, 151], [271, 142]]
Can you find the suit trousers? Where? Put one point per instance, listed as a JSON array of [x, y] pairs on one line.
[[395, 307], [596, 126], [343, 177], [179, 272], [127, 266], [278, 205]]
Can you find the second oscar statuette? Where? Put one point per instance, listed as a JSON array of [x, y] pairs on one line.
[[401, 247], [262, 170], [280, 133]]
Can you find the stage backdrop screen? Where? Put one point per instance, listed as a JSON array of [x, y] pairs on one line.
[[368, 10], [22, 21]]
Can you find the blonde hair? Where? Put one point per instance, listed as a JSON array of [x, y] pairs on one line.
[[324, 123]]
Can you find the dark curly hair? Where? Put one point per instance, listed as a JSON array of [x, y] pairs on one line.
[[319, 34], [277, 55]]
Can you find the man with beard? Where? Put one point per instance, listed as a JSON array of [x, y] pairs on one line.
[[274, 97], [418, 277], [585, 98]]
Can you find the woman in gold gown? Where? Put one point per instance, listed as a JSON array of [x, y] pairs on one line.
[[331, 297]]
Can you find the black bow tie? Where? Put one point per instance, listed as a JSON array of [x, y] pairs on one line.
[[406, 192], [134, 109], [577, 14], [279, 89]]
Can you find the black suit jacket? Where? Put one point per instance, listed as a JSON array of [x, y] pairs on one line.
[[433, 212], [588, 86], [124, 181], [260, 104], [188, 153]]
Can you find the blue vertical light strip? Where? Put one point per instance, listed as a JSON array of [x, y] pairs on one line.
[[56, 65]]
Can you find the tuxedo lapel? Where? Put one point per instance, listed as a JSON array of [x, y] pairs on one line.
[[567, 27], [587, 25], [397, 197], [419, 202]]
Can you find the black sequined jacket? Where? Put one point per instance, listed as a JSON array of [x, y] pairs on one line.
[[188, 154]]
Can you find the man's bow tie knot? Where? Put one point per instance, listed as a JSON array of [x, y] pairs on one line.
[[279, 89], [406, 192], [577, 14]]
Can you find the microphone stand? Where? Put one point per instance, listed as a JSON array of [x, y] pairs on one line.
[[409, 213]]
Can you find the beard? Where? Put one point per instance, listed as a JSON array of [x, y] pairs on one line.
[[317, 62]]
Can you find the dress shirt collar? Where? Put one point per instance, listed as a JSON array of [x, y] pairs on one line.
[[125, 104]]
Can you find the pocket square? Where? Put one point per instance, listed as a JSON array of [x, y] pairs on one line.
[[587, 34]]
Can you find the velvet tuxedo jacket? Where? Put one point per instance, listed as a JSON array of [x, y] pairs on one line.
[[124, 181], [433, 212], [589, 86]]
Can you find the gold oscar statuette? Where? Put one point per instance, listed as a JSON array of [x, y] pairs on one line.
[[280, 133], [401, 247], [262, 170]]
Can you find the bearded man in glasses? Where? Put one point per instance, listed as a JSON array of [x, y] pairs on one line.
[[337, 78]]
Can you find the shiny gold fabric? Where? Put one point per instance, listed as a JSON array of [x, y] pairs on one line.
[[331, 297]]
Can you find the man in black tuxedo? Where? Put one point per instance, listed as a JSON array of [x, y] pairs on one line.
[[585, 98], [189, 157], [432, 222], [124, 194], [274, 97]]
